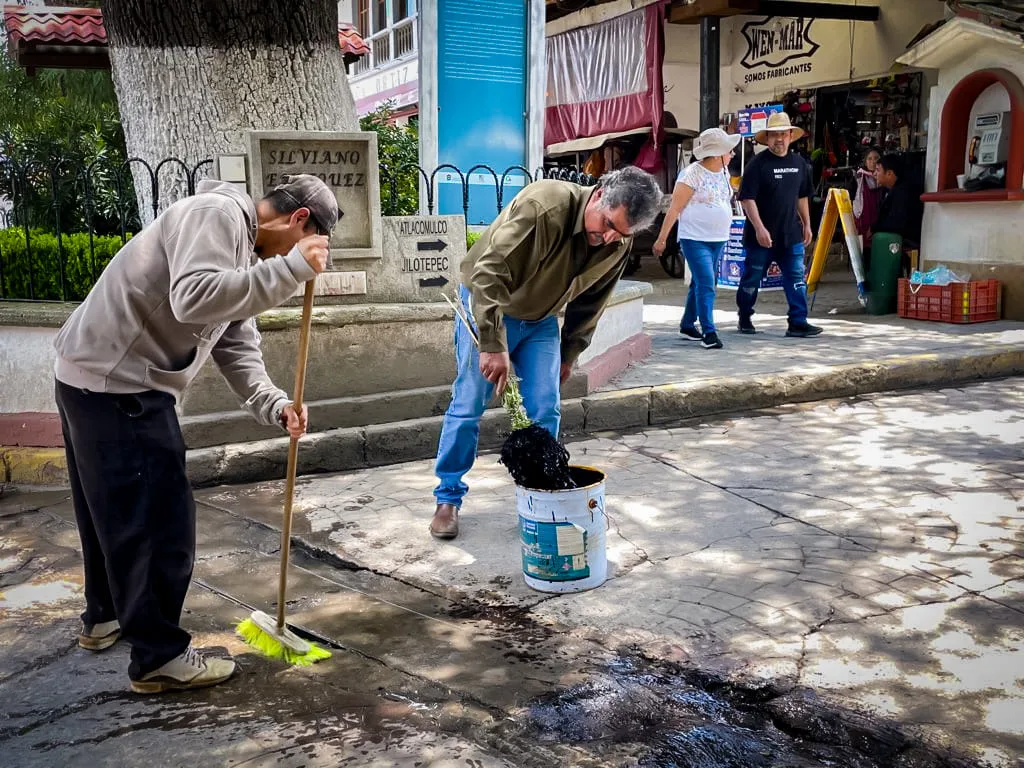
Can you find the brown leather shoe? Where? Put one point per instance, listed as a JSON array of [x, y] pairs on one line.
[[445, 524]]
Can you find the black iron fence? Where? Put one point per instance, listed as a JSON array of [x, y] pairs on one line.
[[60, 226]]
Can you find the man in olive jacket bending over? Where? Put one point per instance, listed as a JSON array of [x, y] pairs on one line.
[[556, 245], [183, 290]]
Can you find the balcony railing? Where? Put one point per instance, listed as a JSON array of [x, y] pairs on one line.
[[404, 37], [380, 44], [362, 65], [391, 44]]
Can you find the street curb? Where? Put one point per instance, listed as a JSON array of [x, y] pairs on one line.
[[346, 449], [33, 466], [338, 450], [675, 402]]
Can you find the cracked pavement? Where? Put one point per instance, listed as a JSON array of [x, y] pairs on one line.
[[870, 548]]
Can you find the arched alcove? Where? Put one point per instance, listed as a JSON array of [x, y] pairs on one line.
[[955, 130]]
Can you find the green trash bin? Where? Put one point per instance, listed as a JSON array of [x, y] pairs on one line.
[[884, 273]]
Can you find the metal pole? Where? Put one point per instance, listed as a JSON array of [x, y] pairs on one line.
[[710, 48]]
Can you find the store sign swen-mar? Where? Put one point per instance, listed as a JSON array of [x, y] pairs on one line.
[[777, 47]]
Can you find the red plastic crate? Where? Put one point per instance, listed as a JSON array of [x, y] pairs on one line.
[[978, 301]]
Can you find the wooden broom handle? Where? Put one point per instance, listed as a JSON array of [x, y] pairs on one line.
[[293, 447]]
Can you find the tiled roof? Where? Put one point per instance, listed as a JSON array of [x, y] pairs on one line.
[[54, 26], [84, 26], [351, 42]]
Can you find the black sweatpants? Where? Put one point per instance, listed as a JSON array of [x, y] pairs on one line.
[[136, 516]]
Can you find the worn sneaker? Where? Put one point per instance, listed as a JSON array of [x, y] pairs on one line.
[[189, 670], [711, 341], [803, 331], [99, 637], [745, 326], [690, 334]]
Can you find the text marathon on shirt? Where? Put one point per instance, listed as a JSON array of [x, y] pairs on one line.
[[773, 43], [778, 172]]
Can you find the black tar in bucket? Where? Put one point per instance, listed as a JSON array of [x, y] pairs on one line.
[[532, 455], [536, 460]]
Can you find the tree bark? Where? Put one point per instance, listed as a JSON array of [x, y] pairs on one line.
[[192, 76]]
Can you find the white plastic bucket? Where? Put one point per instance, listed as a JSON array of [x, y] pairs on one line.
[[563, 534]]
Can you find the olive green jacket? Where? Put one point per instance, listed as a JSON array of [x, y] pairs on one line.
[[534, 259]]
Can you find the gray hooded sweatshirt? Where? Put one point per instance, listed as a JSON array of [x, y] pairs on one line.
[[185, 288]]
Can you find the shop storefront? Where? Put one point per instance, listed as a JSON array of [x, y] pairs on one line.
[[837, 80], [974, 175]]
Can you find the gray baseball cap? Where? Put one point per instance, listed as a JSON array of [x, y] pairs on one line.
[[310, 192]]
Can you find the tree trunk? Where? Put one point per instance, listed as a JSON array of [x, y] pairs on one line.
[[193, 76]]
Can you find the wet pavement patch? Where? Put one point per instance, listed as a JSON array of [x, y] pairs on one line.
[[679, 718]]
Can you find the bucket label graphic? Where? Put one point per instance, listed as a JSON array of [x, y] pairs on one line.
[[554, 551]]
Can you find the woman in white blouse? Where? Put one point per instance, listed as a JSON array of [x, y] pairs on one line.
[[702, 199]]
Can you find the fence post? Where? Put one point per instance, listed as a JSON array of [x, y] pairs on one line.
[[501, 188], [156, 181], [427, 182], [154, 191], [497, 187], [9, 219], [193, 172], [465, 193], [61, 258], [21, 183]]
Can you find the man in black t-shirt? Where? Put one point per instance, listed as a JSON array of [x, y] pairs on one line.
[[901, 211], [775, 195]]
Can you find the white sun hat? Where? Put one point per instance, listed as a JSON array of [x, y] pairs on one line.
[[714, 142]]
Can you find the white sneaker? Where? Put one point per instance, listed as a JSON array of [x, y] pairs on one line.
[[99, 637], [189, 670]]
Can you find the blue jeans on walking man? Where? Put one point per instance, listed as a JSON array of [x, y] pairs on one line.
[[702, 258], [791, 262], [535, 350]]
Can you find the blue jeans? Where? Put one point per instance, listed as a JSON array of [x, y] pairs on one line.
[[702, 258], [535, 350], [791, 262]]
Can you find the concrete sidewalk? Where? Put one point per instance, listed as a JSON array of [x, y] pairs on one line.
[[851, 337]]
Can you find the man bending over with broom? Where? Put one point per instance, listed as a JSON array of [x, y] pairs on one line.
[[555, 245], [184, 289]]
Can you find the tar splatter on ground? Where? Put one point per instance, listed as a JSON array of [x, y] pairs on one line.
[[687, 719]]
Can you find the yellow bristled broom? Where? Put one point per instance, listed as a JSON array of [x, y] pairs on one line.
[[268, 635]]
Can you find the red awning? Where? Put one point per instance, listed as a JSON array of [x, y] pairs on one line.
[[74, 38]]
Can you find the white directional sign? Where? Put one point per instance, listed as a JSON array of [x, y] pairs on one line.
[[430, 236], [428, 251]]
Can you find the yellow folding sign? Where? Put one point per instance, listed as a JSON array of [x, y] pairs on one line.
[[838, 207]]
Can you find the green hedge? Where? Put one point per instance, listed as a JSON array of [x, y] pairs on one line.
[[80, 260], [46, 260]]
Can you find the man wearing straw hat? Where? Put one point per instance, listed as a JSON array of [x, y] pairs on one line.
[[775, 194], [556, 245]]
